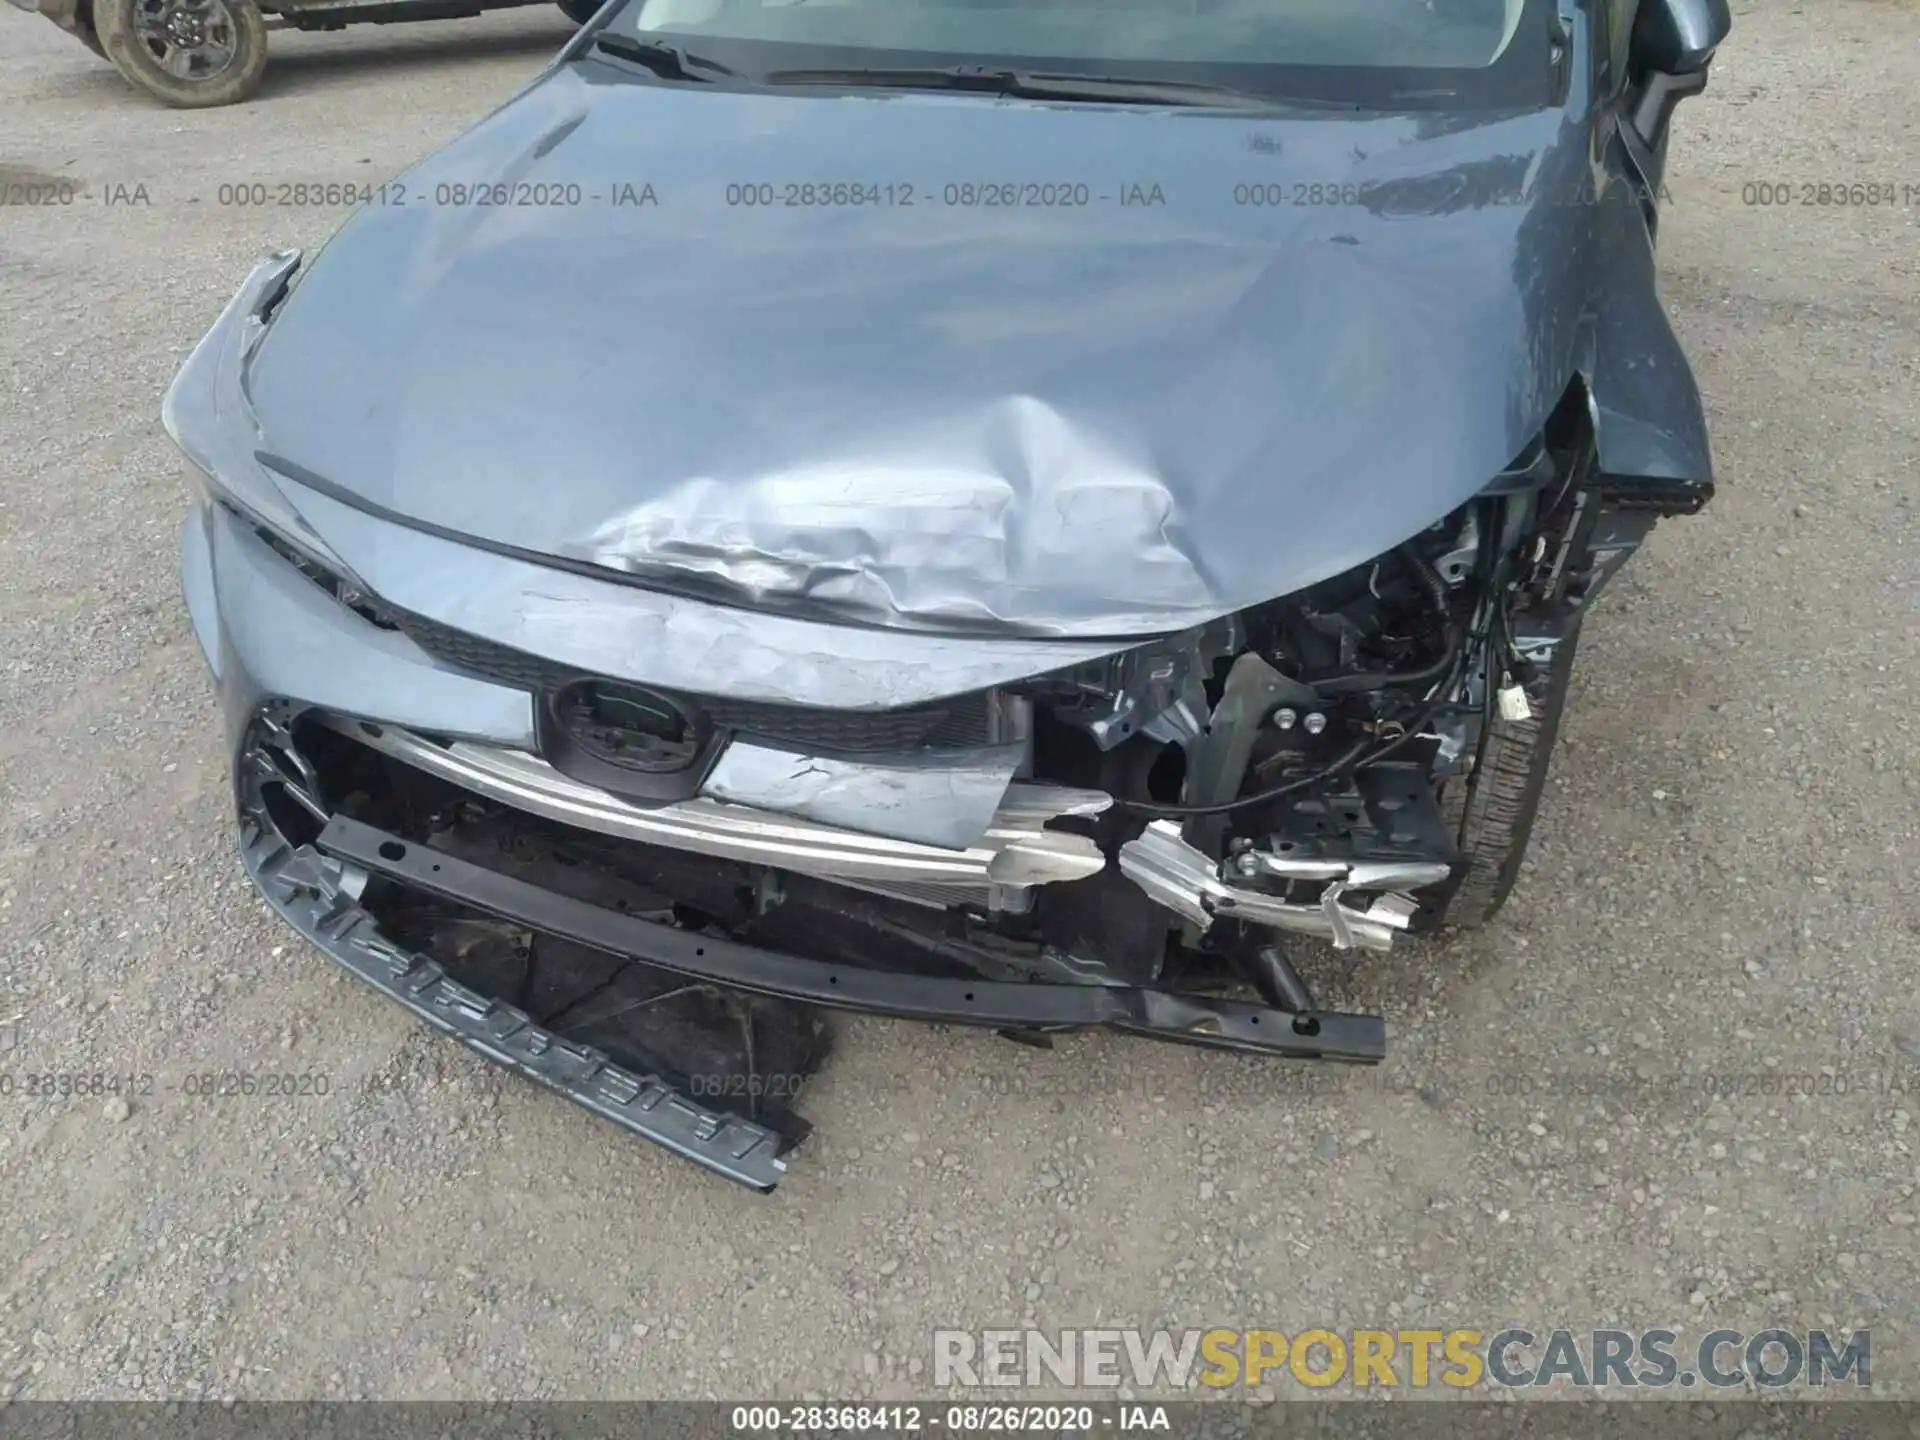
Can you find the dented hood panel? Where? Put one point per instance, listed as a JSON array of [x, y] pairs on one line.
[[1097, 421]]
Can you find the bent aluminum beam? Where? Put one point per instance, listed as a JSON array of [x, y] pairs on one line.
[[1017, 848], [1187, 882]]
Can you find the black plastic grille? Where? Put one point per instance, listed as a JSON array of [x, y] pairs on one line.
[[963, 720]]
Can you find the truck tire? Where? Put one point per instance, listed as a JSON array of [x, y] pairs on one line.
[[83, 27], [188, 53], [1491, 809]]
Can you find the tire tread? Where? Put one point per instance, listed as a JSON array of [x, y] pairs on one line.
[[1492, 815]]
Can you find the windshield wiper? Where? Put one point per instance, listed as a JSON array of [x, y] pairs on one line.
[[1031, 85], [669, 62]]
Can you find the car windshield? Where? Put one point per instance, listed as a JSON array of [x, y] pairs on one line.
[[1472, 52]]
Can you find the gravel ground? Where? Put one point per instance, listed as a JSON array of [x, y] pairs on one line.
[[1723, 883]]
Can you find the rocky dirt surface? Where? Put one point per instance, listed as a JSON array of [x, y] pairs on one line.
[[1723, 885]]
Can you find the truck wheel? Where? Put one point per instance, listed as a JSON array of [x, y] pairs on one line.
[[189, 53], [580, 11], [1491, 809]]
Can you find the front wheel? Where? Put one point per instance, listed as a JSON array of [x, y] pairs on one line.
[[187, 53], [1491, 809]]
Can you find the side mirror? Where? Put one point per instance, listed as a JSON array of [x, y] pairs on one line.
[[1678, 37], [1672, 46]]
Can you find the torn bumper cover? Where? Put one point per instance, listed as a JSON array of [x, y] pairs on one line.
[[316, 888], [279, 643], [316, 895]]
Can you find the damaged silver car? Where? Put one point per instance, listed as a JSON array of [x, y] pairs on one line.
[[1002, 514]]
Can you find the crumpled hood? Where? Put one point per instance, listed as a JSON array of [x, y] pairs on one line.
[[1104, 420]]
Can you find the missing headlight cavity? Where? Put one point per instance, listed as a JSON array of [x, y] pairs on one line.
[[342, 590]]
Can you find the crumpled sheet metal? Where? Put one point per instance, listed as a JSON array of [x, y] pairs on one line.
[[633, 633], [969, 520], [938, 798], [1077, 423]]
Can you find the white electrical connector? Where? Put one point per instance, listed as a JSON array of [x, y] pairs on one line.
[[1512, 700]]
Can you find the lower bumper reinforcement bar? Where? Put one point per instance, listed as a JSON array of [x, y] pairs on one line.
[[1001, 1005], [317, 896]]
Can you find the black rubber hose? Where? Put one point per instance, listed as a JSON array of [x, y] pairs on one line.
[[1354, 753], [1381, 679], [1436, 589], [1277, 981], [1426, 575]]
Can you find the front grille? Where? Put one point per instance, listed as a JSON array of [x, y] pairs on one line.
[[483, 657], [963, 720]]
